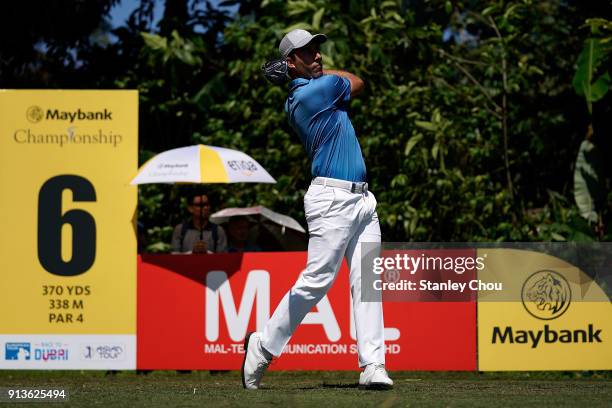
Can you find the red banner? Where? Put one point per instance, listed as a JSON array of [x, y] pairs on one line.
[[195, 310]]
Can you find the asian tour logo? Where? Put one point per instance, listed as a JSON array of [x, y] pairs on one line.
[[35, 114], [546, 295], [103, 352]]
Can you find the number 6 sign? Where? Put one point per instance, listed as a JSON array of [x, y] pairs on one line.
[[51, 219], [67, 242]]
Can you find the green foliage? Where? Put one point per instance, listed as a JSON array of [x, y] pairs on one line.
[[588, 183], [454, 134], [594, 53], [558, 221], [589, 174], [177, 48], [469, 125]]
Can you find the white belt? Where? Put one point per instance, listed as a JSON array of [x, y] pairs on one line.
[[359, 187]]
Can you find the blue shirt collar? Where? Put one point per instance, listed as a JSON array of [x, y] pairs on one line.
[[297, 82]]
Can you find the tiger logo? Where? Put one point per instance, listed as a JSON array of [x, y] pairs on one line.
[[546, 295], [34, 114]]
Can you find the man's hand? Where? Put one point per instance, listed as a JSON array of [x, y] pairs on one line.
[[276, 71], [357, 84], [199, 247]]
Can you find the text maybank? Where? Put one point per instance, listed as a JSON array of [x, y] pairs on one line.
[[558, 317]]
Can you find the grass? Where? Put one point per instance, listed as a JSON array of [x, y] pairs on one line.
[[322, 389]]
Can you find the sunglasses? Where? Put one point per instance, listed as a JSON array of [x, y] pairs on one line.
[[199, 204]]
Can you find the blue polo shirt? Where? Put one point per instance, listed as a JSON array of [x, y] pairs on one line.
[[317, 111]]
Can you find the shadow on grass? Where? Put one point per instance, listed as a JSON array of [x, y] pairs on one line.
[[352, 386], [332, 386]]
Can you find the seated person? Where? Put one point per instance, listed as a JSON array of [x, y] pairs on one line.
[[238, 235], [197, 234]]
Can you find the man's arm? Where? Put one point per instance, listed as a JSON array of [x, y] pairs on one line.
[[176, 239], [357, 84]]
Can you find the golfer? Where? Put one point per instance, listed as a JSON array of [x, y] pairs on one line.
[[340, 212]]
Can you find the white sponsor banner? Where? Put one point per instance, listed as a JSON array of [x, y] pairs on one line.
[[68, 352]]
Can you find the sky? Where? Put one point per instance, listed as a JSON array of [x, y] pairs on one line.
[[121, 12]]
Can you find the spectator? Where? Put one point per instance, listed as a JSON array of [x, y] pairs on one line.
[[238, 235], [198, 235]]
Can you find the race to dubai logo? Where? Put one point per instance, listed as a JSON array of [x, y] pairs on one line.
[[546, 295], [35, 114]]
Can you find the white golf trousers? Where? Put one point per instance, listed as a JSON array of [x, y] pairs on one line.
[[338, 221]]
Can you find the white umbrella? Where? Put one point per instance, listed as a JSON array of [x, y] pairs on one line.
[[283, 220], [282, 229], [202, 164]]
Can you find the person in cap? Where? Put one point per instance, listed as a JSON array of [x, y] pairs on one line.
[[340, 212], [238, 230]]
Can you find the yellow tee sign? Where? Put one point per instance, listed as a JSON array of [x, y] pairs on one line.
[[68, 262]]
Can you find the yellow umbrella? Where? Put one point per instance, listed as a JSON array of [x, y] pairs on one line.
[[202, 164]]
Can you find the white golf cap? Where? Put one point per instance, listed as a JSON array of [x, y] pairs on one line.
[[297, 39]]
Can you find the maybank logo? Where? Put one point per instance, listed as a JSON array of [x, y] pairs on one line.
[[35, 114], [546, 295]]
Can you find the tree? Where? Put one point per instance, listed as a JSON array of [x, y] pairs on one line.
[[41, 40], [592, 80], [469, 124]]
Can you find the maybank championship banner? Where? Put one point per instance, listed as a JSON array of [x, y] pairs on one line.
[[68, 249]]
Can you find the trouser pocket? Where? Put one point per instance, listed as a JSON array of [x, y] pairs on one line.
[[318, 201]]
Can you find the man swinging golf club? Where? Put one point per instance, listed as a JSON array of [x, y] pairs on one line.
[[340, 211]]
